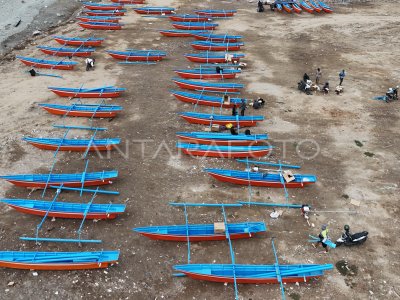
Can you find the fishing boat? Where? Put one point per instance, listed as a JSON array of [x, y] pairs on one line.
[[255, 274], [83, 110], [189, 18], [287, 8], [209, 57], [306, 7], [219, 13], [223, 151], [66, 210], [279, 7], [67, 51], [194, 25], [47, 64], [103, 6], [209, 119], [207, 86], [100, 92], [37, 260], [315, 6], [106, 13], [67, 180], [62, 144], [101, 25], [272, 179], [180, 33], [99, 19], [213, 46], [128, 1], [222, 139], [77, 41], [217, 37], [201, 99], [138, 55], [207, 73], [154, 10], [201, 232], [296, 8], [326, 8]]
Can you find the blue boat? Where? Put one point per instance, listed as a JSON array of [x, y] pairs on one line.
[[68, 210], [223, 151], [305, 6], [67, 180], [194, 25], [62, 144], [315, 6], [47, 64], [224, 139], [97, 12], [83, 110], [99, 92], [208, 86], [217, 37], [256, 274], [212, 57], [37, 260], [201, 99], [221, 13], [154, 10], [67, 51], [181, 33], [188, 18], [201, 232], [326, 8], [268, 179], [99, 18], [210, 119], [215, 46], [78, 41]]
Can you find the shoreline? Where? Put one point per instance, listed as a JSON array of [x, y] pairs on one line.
[[48, 18]]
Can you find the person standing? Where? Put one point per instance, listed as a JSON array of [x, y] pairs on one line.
[[318, 75], [242, 107], [342, 75], [323, 237]]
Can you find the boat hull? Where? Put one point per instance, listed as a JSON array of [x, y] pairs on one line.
[[204, 102], [199, 75], [218, 142], [78, 43], [42, 185], [193, 27], [188, 19], [153, 12], [128, 1], [188, 86], [215, 14], [117, 26], [136, 57], [272, 184], [55, 266], [183, 238], [199, 59], [105, 13], [215, 39], [62, 93], [65, 53], [47, 66], [208, 122], [215, 48], [104, 7], [87, 114], [80, 148], [227, 154]]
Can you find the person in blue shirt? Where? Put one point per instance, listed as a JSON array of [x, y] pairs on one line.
[[342, 74]]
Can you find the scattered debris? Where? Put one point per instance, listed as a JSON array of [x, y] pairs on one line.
[[369, 154]]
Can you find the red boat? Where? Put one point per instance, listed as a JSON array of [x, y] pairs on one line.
[[101, 25], [82, 110], [67, 51], [128, 1], [207, 86], [208, 119], [178, 33], [211, 46], [47, 64], [194, 26], [104, 13], [223, 151], [189, 18], [102, 92], [138, 55], [93, 42], [222, 139], [91, 19], [211, 58], [207, 74], [79, 145], [103, 6], [216, 13]]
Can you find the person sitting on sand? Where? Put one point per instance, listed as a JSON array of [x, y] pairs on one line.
[[89, 63], [325, 88]]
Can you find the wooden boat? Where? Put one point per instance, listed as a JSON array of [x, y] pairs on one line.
[[67, 180], [255, 274], [37, 260], [73, 144], [315, 6], [279, 7], [105, 13], [207, 57], [287, 8], [180, 33], [222, 139], [207, 73], [326, 8], [77, 41], [194, 25], [189, 18], [223, 151], [220, 13], [67, 51], [272, 179], [99, 19], [47, 64], [296, 8], [209, 119], [201, 99], [100, 92], [207, 86], [101, 25], [83, 110], [66, 210], [201, 232], [304, 5], [154, 10], [138, 55], [217, 37], [128, 1], [103, 6], [213, 46]]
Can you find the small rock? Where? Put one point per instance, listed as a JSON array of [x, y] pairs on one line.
[[36, 32], [35, 274], [11, 283]]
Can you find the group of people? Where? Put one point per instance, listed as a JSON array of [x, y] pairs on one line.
[[306, 84]]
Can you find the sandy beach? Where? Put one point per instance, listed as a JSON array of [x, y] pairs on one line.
[[349, 141]]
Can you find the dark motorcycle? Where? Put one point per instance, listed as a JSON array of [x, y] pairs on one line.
[[353, 239]]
